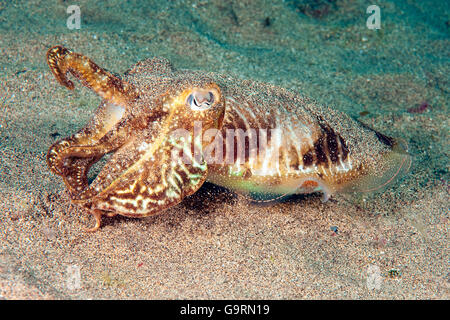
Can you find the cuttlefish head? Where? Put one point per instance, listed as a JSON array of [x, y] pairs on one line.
[[188, 105], [138, 111]]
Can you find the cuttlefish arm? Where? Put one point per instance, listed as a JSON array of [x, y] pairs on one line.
[[72, 157], [151, 185], [157, 169], [108, 86]]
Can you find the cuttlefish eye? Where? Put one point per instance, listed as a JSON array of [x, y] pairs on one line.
[[200, 99]]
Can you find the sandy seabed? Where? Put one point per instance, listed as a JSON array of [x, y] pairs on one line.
[[217, 244]]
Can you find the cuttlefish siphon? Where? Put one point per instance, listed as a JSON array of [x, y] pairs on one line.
[[168, 131]]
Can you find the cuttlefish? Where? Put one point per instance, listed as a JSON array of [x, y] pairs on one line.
[[168, 131]]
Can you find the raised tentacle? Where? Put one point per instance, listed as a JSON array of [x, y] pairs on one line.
[[72, 157], [110, 87]]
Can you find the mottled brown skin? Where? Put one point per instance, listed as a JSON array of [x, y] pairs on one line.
[[141, 171], [139, 122]]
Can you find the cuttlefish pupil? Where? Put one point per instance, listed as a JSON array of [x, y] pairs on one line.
[[151, 169], [200, 100]]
